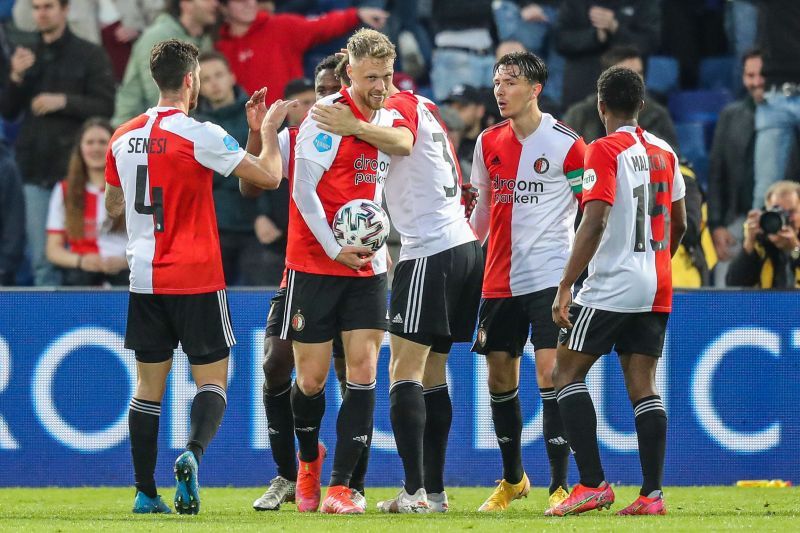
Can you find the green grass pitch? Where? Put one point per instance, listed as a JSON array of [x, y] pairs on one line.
[[228, 509]]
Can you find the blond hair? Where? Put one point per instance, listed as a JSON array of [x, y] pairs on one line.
[[780, 188], [370, 43]]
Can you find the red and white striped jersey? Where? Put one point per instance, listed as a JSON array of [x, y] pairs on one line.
[[638, 174], [352, 169], [97, 239], [165, 161], [527, 204], [423, 190]]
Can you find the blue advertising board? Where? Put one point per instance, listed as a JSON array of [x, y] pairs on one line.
[[728, 378]]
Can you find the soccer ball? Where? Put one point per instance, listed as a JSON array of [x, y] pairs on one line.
[[361, 223]]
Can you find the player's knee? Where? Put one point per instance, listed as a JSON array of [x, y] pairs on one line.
[[559, 377], [278, 365], [501, 381], [152, 392], [310, 385], [362, 371], [341, 370], [640, 387]]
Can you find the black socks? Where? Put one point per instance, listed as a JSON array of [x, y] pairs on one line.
[[280, 422], [507, 419], [143, 417], [407, 412], [438, 418], [208, 408]]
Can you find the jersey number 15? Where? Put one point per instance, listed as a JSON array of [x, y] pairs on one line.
[[654, 210]]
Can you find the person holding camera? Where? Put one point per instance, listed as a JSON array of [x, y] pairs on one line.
[[770, 256]]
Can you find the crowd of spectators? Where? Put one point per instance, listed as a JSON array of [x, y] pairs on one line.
[[71, 69]]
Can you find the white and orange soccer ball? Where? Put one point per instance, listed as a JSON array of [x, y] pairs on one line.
[[361, 222]]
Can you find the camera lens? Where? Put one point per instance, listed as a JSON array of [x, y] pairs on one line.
[[771, 222]]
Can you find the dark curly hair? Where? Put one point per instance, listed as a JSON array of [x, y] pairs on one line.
[[170, 61], [622, 90]]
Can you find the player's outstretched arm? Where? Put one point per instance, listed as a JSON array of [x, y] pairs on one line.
[[265, 171], [677, 225], [587, 239], [115, 201], [339, 119], [262, 140]]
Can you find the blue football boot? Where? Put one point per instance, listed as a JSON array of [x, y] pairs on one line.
[[144, 504], [187, 491]]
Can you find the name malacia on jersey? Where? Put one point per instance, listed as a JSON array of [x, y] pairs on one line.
[[516, 191]]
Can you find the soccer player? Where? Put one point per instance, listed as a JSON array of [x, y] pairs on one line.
[[159, 172], [633, 221], [528, 172], [436, 287], [332, 288], [278, 357]]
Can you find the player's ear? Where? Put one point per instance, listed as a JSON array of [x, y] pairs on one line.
[[537, 90]]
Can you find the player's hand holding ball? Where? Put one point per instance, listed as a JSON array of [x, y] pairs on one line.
[[361, 227]]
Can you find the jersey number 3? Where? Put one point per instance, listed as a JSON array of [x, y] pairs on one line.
[[449, 192], [156, 207], [655, 210]]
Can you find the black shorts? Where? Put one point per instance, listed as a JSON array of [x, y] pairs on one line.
[[200, 322], [319, 307], [504, 323], [597, 332], [277, 309], [435, 299]]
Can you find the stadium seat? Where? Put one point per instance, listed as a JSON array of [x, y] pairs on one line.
[[662, 74], [698, 106], [692, 143], [717, 73], [691, 138]]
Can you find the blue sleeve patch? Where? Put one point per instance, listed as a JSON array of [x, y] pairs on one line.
[[323, 142], [231, 143]]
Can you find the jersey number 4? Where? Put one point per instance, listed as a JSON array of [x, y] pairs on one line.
[[654, 210], [156, 207]]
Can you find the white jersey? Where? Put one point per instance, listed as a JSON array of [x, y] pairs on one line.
[[638, 174], [423, 189], [527, 204]]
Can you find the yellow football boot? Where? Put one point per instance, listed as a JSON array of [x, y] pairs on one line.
[[505, 493]]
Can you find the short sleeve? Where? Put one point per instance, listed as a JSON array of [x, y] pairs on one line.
[[403, 110], [599, 174], [284, 146], [56, 214], [112, 174], [216, 149], [316, 145], [479, 175], [573, 165], [678, 183]]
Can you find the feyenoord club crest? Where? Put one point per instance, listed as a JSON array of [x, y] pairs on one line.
[[482, 336], [298, 322], [541, 165]]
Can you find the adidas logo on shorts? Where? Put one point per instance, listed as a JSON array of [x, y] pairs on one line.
[[503, 440], [362, 439], [397, 319]]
